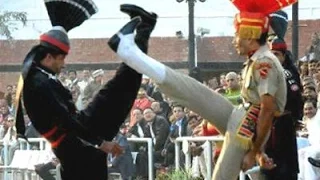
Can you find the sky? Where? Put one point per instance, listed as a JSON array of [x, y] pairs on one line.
[[214, 15]]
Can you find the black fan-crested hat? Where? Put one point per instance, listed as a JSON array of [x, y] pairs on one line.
[[279, 24], [64, 16]]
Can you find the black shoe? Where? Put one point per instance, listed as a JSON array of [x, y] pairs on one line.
[[314, 162], [125, 30], [134, 11], [145, 28]]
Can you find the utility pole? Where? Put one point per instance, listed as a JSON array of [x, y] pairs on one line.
[[295, 32], [191, 37]]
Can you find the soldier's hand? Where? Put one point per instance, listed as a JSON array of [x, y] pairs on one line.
[[265, 162], [249, 160], [111, 147]]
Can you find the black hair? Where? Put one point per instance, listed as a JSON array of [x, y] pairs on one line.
[[74, 71], [136, 108], [42, 52], [177, 105], [312, 101], [263, 39]]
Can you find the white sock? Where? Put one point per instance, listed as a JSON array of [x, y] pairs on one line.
[[139, 61]]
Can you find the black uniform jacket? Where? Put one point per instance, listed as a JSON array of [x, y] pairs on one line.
[[53, 113]]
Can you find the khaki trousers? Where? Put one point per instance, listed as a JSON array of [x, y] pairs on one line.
[[217, 110]]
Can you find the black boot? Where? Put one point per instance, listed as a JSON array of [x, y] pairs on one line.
[[144, 29], [125, 30], [314, 162]]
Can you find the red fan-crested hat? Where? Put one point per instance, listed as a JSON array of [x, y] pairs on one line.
[[253, 20]]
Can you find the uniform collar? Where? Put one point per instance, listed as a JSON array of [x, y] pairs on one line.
[[48, 72], [259, 53]]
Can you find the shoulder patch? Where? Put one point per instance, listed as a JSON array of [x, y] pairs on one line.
[[263, 73], [263, 65]]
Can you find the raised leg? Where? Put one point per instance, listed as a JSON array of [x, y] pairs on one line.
[[182, 88]]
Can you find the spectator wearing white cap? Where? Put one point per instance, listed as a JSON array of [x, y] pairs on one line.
[[94, 86]]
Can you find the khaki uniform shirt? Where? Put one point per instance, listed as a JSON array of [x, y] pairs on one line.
[[263, 74]]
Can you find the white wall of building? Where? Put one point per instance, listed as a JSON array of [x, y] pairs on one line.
[[215, 15]]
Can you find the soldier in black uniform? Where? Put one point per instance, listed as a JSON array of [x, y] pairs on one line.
[[282, 145], [50, 107]]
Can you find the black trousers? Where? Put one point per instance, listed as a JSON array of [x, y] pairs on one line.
[[282, 147], [112, 104], [80, 161]]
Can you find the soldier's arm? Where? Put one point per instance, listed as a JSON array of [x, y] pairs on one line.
[[266, 76], [264, 124], [66, 120]]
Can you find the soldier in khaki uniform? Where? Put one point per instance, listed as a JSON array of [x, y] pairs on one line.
[[245, 127]]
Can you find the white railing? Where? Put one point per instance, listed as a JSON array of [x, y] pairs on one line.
[[43, 144], [23, 145], [209, 152], [150, 154], [196, 139]]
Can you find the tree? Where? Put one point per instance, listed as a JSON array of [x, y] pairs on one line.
[[9, 21]]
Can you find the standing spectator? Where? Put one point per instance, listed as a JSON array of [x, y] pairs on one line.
[[83, 83], [85, 80], [146, 84], [157, 107], [178, 128], [75, 92], [223, 82], [72, 74], [312, 121], [232, 90], [93, 87], [137, 130], [4, 110], [10, 138], [309, 88], [156, 128], [303, 70], [65, 81], [8, 96]]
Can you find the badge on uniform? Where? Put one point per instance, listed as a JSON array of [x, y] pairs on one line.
[[263, 69], [294, 87]]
